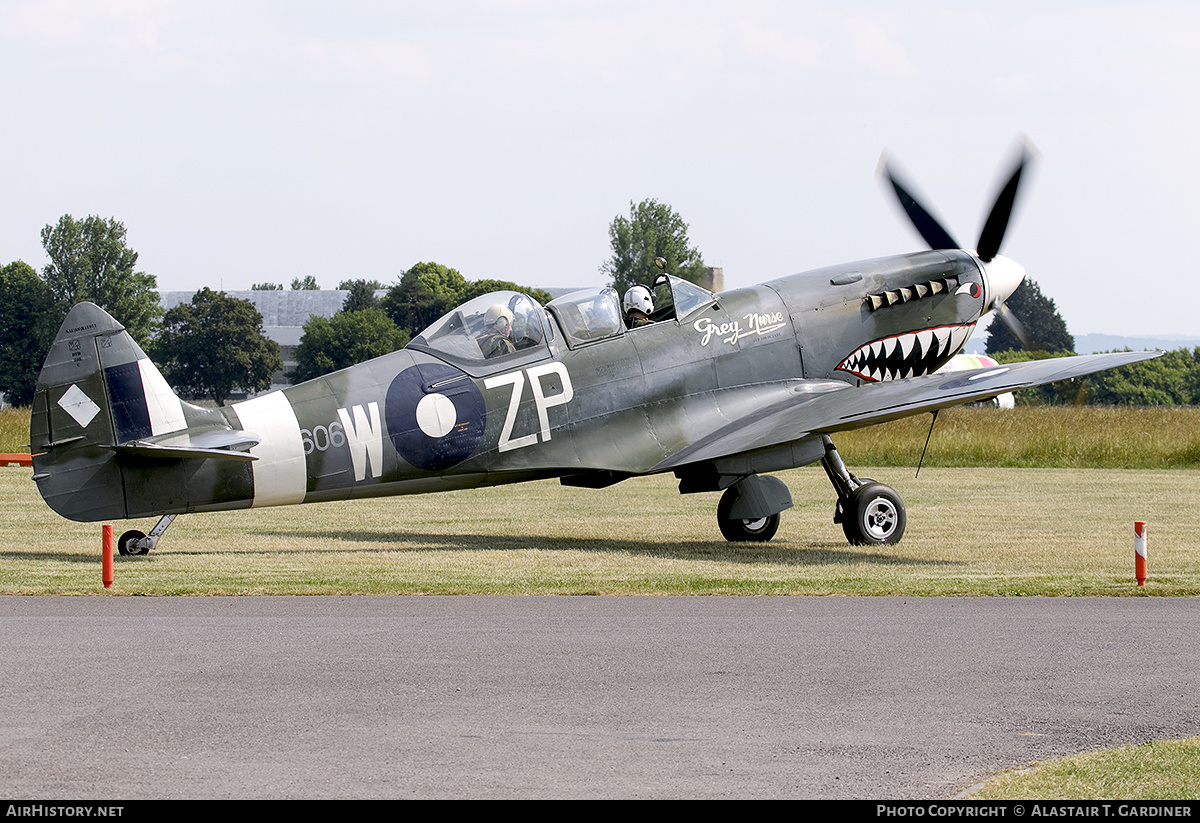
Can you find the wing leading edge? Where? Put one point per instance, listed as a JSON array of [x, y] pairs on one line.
[[852, 407]]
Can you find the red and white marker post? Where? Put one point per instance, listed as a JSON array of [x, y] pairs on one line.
[[1139, 551]]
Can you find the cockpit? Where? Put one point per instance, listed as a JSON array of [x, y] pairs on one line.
[[495, 326], [510, 328], [595, 314]]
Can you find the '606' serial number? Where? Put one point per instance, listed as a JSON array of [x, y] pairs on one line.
[[321, 438]]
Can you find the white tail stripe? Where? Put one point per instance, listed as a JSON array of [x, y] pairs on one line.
[[280, 473]]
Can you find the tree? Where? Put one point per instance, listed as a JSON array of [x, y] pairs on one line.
[[266, 287], [90, 261], [361, 296], [347, 338], [307, 283], [429, 290], [652, 230], [474, 288], [215, 345], [1041, 320], [425, 292], [28, 321], [346, 285], [1170, 380]]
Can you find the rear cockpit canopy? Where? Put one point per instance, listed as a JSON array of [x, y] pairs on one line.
[[588, 315], [595, 314]]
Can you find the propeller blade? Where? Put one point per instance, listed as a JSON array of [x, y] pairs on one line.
[[1014, 325], [925, 223], [992, 234]]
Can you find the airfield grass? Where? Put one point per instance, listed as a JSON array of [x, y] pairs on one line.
[[1155, 770], [1003, 529], [1093, 437], [14, 430], [1007, 528], [971, 531]]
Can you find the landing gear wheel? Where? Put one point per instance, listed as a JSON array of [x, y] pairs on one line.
[[127, 545], [744, 531], [873, 514]]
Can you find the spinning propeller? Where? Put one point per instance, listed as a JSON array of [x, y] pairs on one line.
[[1003, 275]]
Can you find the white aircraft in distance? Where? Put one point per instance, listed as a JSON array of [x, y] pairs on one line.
[[967, 362]]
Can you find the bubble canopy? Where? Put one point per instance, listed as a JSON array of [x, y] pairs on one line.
[[494, 326]]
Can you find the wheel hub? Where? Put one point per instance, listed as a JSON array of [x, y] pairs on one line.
[[880, 518]]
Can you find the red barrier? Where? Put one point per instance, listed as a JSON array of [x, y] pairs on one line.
[[18, 459], [106, 558]]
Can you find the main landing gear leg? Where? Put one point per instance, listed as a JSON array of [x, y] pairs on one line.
[[134, 542], [870, 512]]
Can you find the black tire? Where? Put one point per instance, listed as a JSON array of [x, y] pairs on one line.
[[744, 531], [874, 515], [125, 544]]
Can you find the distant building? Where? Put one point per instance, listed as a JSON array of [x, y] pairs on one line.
[[284, 314], [715, 281]]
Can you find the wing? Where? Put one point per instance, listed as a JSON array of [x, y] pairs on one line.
[[841, 406]]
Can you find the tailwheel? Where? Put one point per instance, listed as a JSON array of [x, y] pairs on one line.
[[130, 543], [873, 514], [134, 542]]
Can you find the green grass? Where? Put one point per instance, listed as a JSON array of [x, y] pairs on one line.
[[1042, 436], [1064, 530], [971, 532], [14, 430], [1156, 770]]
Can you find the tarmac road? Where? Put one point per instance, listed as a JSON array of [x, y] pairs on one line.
[[573, 697]]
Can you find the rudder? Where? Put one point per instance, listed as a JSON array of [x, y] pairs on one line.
[[97, 389]]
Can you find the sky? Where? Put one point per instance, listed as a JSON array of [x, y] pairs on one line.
[[244, 142]]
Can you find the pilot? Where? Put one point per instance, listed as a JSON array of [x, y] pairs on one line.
[[639, 303], [497, 328], [525, 327]]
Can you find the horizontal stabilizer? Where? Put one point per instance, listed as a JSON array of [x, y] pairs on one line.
[[221, 444], [178, 453]]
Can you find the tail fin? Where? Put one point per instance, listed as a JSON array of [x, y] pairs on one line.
[[96, 391]]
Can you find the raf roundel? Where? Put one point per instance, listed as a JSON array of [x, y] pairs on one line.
[[435, 416]]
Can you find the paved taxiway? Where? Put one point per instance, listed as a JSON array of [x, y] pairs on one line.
[[338, 697]]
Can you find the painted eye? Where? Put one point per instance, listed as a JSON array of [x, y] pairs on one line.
[[969, 288]]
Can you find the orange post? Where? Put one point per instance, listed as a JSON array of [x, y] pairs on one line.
[[1139, 551], [106, 558]]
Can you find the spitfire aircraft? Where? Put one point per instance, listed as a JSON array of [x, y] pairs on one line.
[[718, 389]]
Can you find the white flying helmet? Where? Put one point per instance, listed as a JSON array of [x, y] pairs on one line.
[[639, 298]]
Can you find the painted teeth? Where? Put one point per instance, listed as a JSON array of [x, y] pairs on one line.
[[906, 355]]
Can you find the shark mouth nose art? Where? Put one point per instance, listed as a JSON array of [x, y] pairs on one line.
[[906, 355]]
